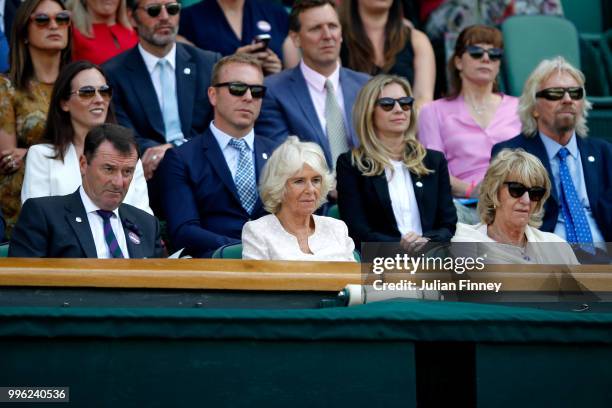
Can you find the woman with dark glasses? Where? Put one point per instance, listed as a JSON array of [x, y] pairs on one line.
[[80, 101], [101, 29], [40, 46], [390, 188], [511, 206], [473, 117]]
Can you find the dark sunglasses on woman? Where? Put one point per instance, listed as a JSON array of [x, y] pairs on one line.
[[153, 10], [88, 92], [387, 104], [556, 94], [476, 52], [240, 88], [517, 190], [43, 19]]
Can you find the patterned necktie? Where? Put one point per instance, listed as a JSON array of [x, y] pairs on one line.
[[336, 132], [245, 175], [170, 113], [109, 235], [576, 225]]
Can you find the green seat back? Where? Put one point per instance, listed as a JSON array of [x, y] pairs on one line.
[[334, 212], [530, 39], [585, 14], [230, 251], [4, 248]]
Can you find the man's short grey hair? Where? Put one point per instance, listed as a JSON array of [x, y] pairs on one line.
[[541, 73], [287, 160]]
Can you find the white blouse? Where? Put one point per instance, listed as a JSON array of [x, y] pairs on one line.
[[403, 201], [45, 176], [265, 238]]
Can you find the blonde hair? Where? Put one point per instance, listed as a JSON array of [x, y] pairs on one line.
[[372, 156], [515, 165], [287, 160], [541, 73], [82, 19]]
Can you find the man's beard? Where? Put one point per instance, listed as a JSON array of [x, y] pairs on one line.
[[158, 40]]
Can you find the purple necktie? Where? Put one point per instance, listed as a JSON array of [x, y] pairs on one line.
[[109, 235]]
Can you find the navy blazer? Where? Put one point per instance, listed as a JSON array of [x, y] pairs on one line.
[[200, 199], [2, 227], [287, 108], [135, 100], [57, 227], [596, 157], [365, 204]]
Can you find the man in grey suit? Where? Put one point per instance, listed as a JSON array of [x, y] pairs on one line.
[[92, 222], [315, 99]]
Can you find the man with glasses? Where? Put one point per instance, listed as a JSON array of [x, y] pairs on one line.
[[160, 85], [315, 99], [553, 111], [210, 183]]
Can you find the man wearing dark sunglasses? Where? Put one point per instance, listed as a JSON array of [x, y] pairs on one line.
[[553, 114], [313, 100], [210, 183], [160, 85]]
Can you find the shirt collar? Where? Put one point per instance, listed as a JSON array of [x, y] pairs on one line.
[[223, 138], [89, 205], [552, 147], [150, 60], [316, 80]]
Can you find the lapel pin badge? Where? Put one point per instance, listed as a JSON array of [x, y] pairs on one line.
[[187, 71], [265, 156], [78, 219], [419, 184], [133, 237], [591, 159]]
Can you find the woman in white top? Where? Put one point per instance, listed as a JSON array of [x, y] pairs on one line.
[[511, 206], [294, 183], [80, 100], [390, 188]]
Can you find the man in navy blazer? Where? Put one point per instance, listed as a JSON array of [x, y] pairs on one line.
[[210, 182], [136, 78], [553, 111], [295, 100], [75, 225]]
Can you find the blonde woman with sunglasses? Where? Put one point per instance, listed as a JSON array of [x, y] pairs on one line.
[[80, 100], [390, 188], [40, 47]]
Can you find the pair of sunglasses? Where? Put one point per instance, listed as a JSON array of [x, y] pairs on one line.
[[387, 104], [88, 92], [517, 190], [240, 88], [43, 19], [154, 10], [556, 94], [476, 52]]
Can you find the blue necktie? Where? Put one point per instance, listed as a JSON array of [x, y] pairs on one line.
[[245, 175], [576, 224], [170, 113], [109, 235]]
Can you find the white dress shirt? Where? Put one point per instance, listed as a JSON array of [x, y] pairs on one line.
[[318, 94], [150, 61], [97, 227], [230, 153], [45, 176], [403, 201]]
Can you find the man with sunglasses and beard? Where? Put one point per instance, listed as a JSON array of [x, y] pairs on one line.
[[210, 183], [160, 85], [553, 111]]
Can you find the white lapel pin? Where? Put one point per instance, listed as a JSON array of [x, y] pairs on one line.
[[265, 156], [133, 237], [591, 159], [78, 219], [187, 71], [419, 184]]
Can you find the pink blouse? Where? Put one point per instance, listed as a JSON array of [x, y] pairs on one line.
[[447, 126]]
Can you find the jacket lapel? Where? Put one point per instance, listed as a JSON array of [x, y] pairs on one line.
[[382, 192], [215, 157], [349, 93], [536, 146], [144, 90], [590, 169], [133, 236], [419, 184], [77, 219], [185, 88]]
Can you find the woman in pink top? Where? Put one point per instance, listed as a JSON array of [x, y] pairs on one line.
[[101, 30], [475, 116]]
